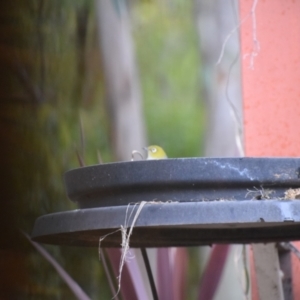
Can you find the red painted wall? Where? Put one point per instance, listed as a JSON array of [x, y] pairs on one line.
[[271, 89]]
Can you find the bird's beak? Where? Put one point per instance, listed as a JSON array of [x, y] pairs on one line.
[[145, 148]]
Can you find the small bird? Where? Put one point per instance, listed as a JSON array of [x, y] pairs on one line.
[[155, 152]]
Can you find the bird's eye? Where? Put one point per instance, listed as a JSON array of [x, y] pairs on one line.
[[153, 150]]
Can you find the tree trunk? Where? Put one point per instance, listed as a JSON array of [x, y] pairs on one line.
[[215, 20], [121, 78], [222, 83]]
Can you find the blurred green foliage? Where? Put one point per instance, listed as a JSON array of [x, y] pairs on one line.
[[49, 80], [168, 61], [53, 82]]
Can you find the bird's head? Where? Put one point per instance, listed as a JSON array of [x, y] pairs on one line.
[[155, 152]]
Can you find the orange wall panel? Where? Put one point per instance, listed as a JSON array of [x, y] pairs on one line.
[[271, 90]]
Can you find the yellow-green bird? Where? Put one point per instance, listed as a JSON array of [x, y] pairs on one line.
[[155, 152]]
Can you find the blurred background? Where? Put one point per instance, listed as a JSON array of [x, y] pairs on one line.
[[79, 78]]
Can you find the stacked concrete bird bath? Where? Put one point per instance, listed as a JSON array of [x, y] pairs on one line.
[[189, 202]]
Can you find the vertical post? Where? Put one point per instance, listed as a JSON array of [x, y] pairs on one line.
[[270, 43]]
